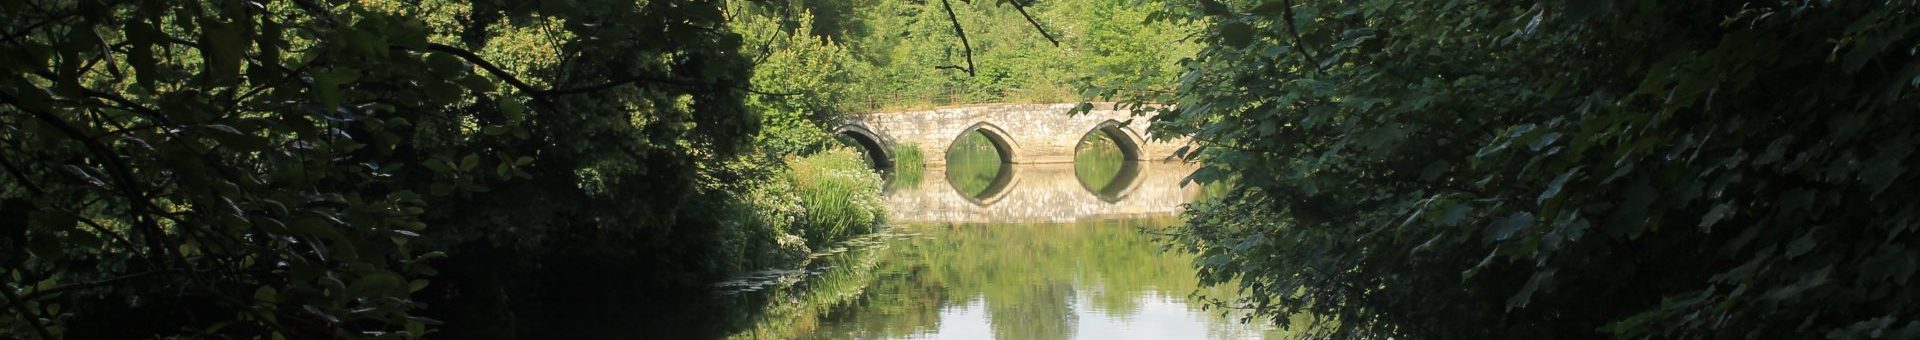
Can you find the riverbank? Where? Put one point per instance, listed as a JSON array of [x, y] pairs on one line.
[[749, 215]]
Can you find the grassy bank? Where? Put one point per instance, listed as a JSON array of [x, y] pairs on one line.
[[794, 207], [839, 194], [809, 210]]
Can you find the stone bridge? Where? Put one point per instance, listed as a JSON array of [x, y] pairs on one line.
[[1045, 193], [1024, 133]]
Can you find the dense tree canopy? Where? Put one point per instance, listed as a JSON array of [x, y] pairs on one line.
[[1560, 169], [371, 169], [907, 53], [1434, 169]]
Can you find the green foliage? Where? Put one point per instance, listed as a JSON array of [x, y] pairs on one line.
[[840, 194], [802, 77], [900, 47], [787, 210], [908, 166], [1524, 169], [812, 217], [319, 169], [757, 217]]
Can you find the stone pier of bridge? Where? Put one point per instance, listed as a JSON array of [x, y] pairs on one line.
[[1024, 133]]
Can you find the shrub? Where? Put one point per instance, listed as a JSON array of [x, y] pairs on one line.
[[839, 193], [1528, 169]]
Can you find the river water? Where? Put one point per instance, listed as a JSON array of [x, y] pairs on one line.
[[984, 250]]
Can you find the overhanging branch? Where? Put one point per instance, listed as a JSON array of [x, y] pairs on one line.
[[967, 45], [1036, 23], [957, 30], [491, 68], [542, 94]]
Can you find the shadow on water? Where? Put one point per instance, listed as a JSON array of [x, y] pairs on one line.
[[1048, 261], [787, 303], [578, 296], [1121, 184]]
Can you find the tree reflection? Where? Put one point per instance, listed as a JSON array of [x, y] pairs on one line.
[[1035, 281], [1102, 166], [976, 168]]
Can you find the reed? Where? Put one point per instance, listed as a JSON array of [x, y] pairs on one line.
[[908, 166], [840, 196]]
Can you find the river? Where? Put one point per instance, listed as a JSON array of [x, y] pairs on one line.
[[979, 249]]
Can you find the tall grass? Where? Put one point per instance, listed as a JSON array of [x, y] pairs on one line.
[[789, 209], [840, 196], [754, 213], [908, 156], [908, 165]]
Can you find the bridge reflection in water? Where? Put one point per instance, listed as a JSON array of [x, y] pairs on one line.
[[1041, 193], [981, 248]]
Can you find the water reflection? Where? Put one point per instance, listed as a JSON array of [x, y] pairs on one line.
[[1013, 251], [976, 168], [1044, 193], [1086, 280], [1104, 168]]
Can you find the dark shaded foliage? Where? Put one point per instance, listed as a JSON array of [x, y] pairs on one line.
[[1523, 169], [299, 168]]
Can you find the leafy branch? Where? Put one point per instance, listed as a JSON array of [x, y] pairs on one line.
[[543, 94], [1299, 41]]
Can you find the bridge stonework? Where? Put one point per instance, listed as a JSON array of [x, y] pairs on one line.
[[1049, 193], [1026, 133]]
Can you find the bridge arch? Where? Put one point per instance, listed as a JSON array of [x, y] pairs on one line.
[[1128, 141], [1127, 177], [876, 148], [1026, 133], [997, 136], [1004, 174]]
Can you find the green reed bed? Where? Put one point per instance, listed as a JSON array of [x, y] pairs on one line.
[[840, 196], [908, 167]]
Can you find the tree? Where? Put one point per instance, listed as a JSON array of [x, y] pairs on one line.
[[806, 72], [918, 53], [292, 168], [1563, 169]]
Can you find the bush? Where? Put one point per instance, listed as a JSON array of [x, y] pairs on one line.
[[318, 171], [839, 193], [758, 223], [1527, 169]]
